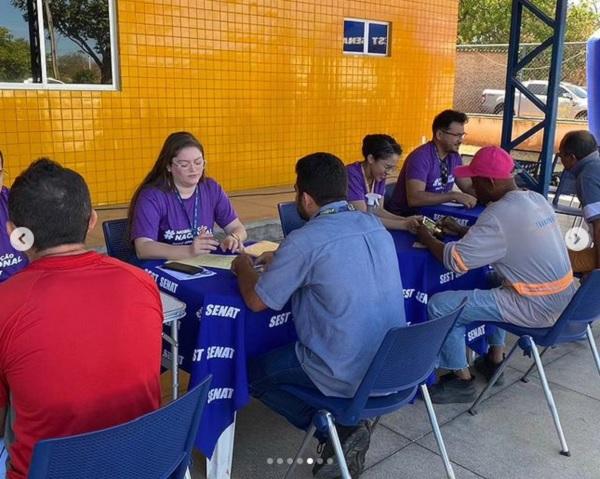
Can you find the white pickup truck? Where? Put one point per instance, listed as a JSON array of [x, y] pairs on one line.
[[572, 100]]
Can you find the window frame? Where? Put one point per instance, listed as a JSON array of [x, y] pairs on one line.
[[368, 24], [44, 85]]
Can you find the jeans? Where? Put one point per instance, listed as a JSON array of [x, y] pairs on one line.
[[481, 306], [266, 375]]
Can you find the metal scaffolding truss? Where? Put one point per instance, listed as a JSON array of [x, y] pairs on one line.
[[516, 65]]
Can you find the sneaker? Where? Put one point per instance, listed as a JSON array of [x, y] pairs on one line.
[[355, 445], [484, 366], [451, 389]]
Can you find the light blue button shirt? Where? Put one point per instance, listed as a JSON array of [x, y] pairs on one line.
[[587, 171], [341, 272]]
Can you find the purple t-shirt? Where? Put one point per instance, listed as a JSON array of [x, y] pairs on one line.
[[422, 164], [159, 215], [11, 260], [357, 185]]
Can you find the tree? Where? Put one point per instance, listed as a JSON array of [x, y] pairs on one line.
[[75, 68], [15, 58], [86, 23], [488, 21]]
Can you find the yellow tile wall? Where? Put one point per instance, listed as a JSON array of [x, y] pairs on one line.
[[259, 83]]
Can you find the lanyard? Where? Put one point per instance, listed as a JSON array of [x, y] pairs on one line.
[[367, 189], [194, 225], [333, 211], [444, 168]]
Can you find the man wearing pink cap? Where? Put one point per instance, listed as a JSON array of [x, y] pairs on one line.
[[518, 235]]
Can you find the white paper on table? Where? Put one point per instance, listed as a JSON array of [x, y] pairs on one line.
[[261, 247], [454, 205], [220, 261], [184, 276]]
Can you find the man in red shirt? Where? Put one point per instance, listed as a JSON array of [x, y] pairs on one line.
[[80, 333]]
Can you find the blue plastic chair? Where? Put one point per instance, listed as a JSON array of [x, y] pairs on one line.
[[157, 445], [289, 217], [572, 325], [404, 361], [117, 240]]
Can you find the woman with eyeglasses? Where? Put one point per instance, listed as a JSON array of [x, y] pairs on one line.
[[427, 176], [173, 212], [11, 260], [366, 180]]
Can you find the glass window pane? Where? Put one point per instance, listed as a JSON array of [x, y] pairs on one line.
[[16, 47], [378, 38], [354, 36], [77, 36]]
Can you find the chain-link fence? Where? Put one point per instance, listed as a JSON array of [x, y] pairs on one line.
[[481, 77]]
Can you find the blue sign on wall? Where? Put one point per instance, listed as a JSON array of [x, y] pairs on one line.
[[365, 37], [378, 38], [354, 36]]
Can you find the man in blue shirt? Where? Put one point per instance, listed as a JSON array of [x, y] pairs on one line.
[[341, 274], [578, 152]]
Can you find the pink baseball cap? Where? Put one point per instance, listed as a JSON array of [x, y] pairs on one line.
[[488, 162]]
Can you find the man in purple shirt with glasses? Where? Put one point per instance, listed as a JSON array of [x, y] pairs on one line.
[[427, 176]]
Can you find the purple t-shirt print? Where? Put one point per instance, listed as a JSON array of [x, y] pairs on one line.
[[159, 215], [357, 186], [423, 164], [11, 260]]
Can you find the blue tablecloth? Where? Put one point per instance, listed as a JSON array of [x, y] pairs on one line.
[[216, 337], [464, 216], [423, 275], [219, 333]]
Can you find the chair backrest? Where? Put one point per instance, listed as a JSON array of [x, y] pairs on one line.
[[156, 445], [566, 186], [289, 217], [583, 309], [117, 240], [389, 192], [406, 357]]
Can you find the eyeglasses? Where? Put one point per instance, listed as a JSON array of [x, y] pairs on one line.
[[456, 135], [186, 164], [389, 168]]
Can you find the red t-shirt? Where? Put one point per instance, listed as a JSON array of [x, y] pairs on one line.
[[80, 346]]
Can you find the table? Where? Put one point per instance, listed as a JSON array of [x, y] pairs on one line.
[[423, 275], [173, 311], [219, 333], [216, 336], [464, 216]]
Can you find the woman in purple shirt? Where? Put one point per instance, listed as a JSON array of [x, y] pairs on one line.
[[381, 154], [173, 212], [11, 260]]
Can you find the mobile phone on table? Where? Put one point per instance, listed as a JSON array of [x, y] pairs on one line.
[[184, 268], [430, 225]]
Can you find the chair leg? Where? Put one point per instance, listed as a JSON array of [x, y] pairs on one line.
[[337, 446], [307, 439], [525, 377], [549, 399], [471, 355], [592, 342], [492, 381], [436, 431]]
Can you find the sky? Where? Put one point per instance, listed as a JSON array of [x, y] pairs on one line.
[[12, 18]]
